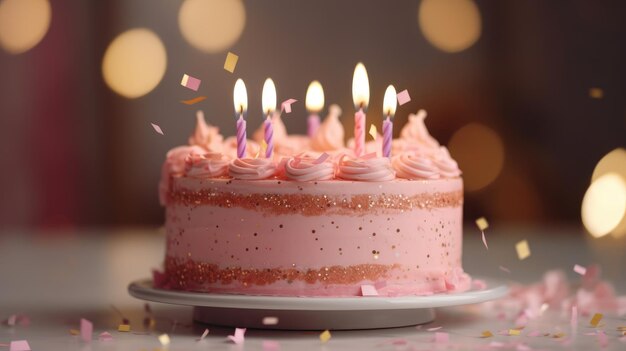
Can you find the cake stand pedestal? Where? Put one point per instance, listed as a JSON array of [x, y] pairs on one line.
[[315, 313]]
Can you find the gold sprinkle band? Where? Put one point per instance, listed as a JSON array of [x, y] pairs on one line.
[[315, 205]]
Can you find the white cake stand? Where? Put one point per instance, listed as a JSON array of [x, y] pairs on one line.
[[314, 313]]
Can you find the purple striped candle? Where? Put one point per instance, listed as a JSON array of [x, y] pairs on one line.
[[241, 137], [269, 137]]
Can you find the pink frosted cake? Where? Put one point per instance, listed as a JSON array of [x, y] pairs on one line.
[[314, 220]]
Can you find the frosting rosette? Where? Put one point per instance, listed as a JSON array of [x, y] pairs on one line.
[[252, 168], [175, 165], [306, 168], [448, 167], [367, 169], [206, 136], [330, 134], [416, 135], [412, 165], [209, 165]]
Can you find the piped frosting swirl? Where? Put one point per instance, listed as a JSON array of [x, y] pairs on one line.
[[415, 133], [305, 168], [252, 168], [411, 165], [367, 169], [210, 165]]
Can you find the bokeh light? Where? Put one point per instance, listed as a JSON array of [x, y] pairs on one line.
[[134, 63], [480, 153], [450, 25], [613, 162], [212, 25], [23, 23], [604, 204]]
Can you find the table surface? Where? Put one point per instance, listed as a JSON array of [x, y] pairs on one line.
[[57, 278]]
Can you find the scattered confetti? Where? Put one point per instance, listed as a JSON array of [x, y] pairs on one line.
[[164, 339], [514, 332], [238, 338], [231, 62], [441, 337], [325, 336], [595, 320], [504, 269], [123, 328], [484, 240], [193, 101], [204, 334], [270, 320], [482, 223], [11, 320], [368, 290], [433, 329], [157, 128], [486, 334], [270, 345], [105, 336], [323, 157], [596, 93], [86, 330], [190, 82], [403, 97], [523, 250], [580, 269], [286, 105], [19, 345], [373, 131], [74, 331]]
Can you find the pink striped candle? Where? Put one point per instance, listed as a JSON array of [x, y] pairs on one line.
[[313, 123], [269, 137], [359, 132], [387, 136], [241, 137]]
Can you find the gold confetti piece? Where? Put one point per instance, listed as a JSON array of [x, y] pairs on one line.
[[123, 328], [193, 101], [621, 328], [164, 339], [523, 250], [482, 223], [595, 320], [596, 93], [74, 332], [486, 334], [325, 336], [514, 332], [558, 335], [231, 62], [373, 131]]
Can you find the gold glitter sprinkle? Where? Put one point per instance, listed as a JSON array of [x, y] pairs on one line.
[[315, 205]]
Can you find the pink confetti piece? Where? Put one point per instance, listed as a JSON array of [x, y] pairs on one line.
[[433, 329], [190, 82], [286, 105], [485, 240], [270, 320], [204, 334], [441, 337], [368, 290], [238, 338], [504, 269], [323, 157], [105, 336], [580, 269], [270, 345], [369, 156], [602, 339], [19, 345], [403, 97], [157, 128], [86, 330]]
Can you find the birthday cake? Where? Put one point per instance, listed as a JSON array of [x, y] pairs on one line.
[[313, 219]]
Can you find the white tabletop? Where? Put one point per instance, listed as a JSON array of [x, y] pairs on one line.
[[57, 278]]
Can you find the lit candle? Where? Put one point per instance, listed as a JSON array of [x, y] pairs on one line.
[[240, 98], [268, 100], [389, 109], [360, 97], [314, 104]]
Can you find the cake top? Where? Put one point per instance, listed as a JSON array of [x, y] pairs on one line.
[[416, 155]]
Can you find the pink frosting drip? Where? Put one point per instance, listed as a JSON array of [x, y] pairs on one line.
[[376, 169], [410, 165], [210, 165], [252, 168], [206, 136], [330, 134], [304, 169], [174, 165]]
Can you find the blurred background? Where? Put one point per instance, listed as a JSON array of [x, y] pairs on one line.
[[529, 96]]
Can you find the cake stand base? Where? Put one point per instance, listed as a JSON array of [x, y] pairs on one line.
[[313, 320], [315, 313]]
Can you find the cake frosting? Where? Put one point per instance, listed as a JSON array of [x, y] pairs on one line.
[[314, 220]]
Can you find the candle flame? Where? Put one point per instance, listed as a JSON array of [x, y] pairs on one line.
[[268, 98], [390, 101], [360, 87], [314, 97], [240, 97]]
